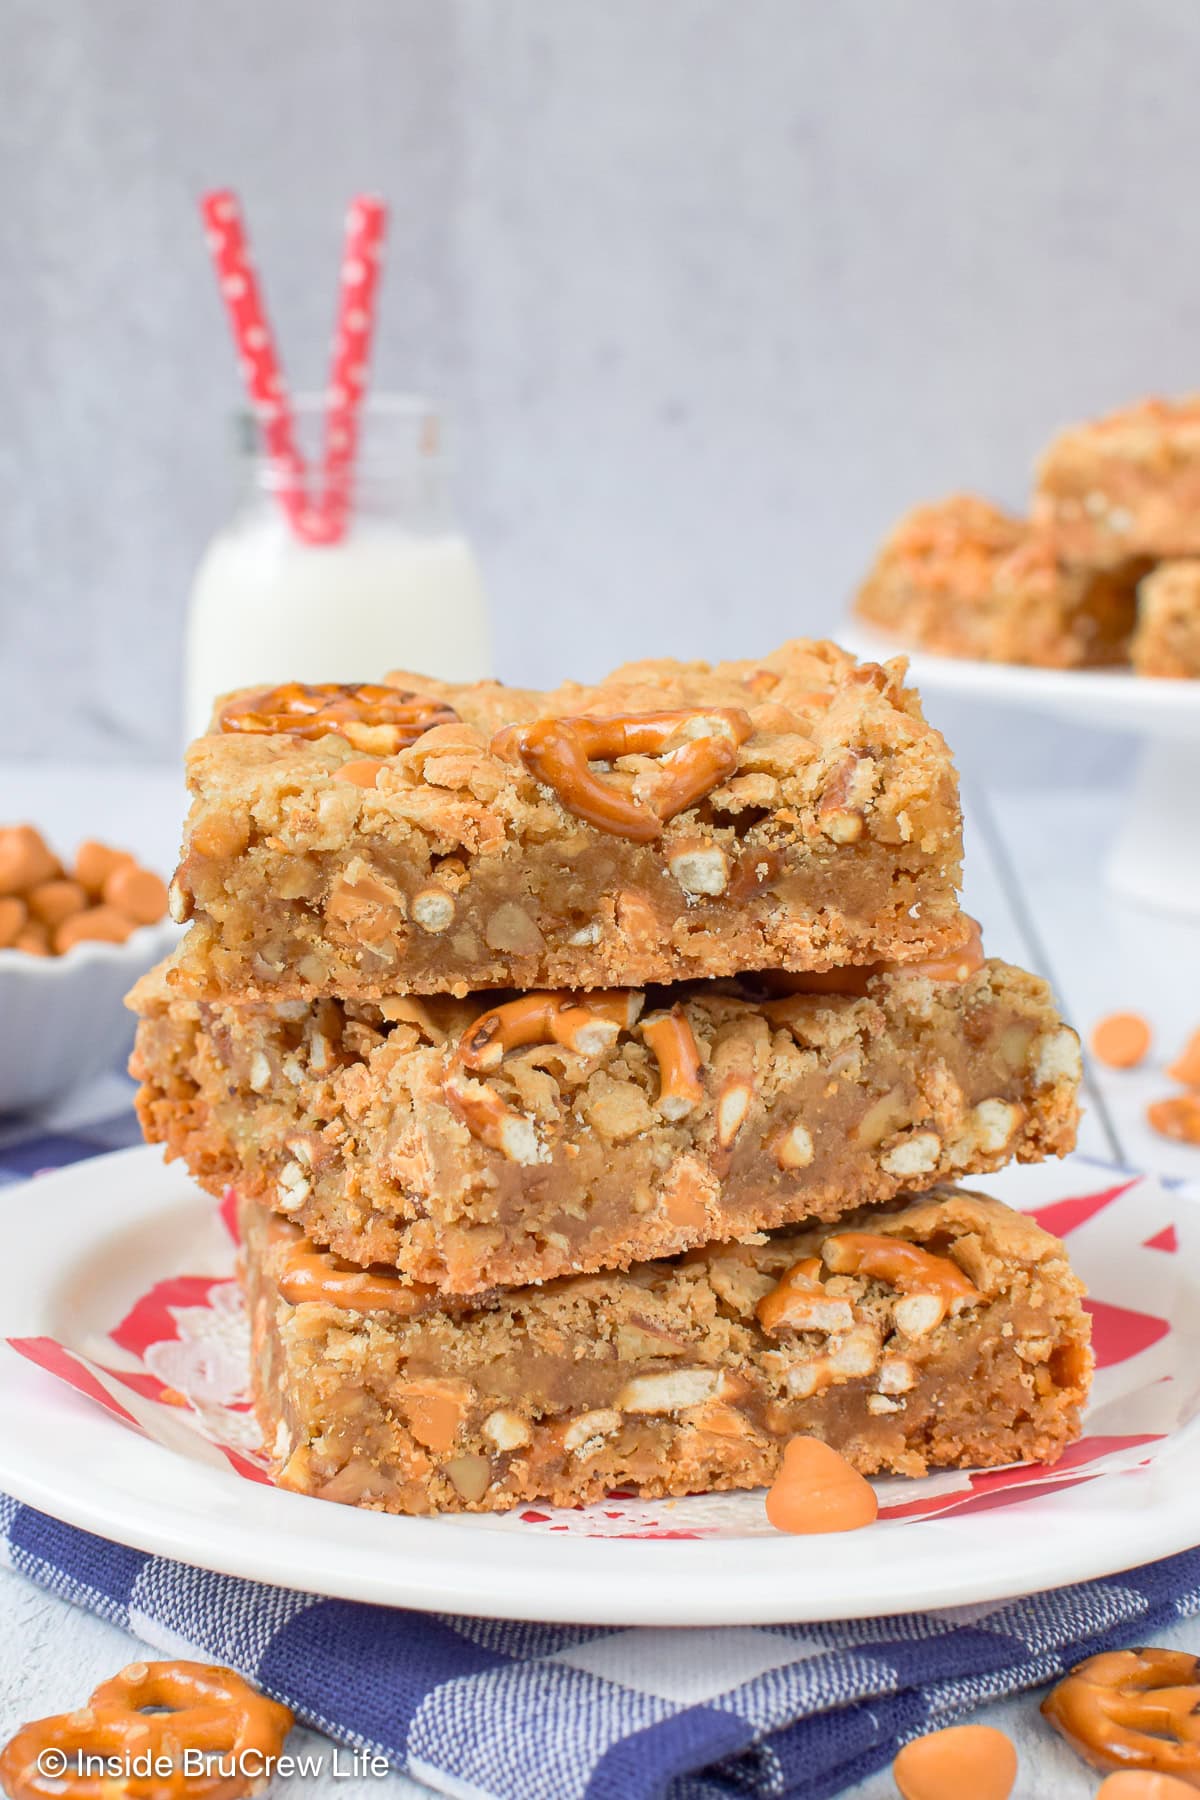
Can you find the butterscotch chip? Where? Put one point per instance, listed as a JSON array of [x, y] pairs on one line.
[[13, 916], [25, 859], [1186, 1067], [33, 939], [1177, 1117], [818, 1491], [95, 862], [363, 772], [217, 834], [99, 924], [54, 901], [1140, 1784], [974, 1760], [138, 893], [1121, 1040]]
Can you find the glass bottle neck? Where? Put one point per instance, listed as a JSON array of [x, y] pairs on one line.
[[397, 474]]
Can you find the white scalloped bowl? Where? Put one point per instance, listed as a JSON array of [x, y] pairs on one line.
[[62, 1018]]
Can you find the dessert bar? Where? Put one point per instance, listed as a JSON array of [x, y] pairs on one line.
[[962, 578], [1124, 486], [676, 820], [1167, 639], [941, 1332], [488, 1141]]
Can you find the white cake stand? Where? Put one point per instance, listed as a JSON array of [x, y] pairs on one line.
[[1155, 858]]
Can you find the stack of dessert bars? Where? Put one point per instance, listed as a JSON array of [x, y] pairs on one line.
[[591, 1067]]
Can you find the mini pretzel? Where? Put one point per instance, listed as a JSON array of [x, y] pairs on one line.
[[208, 1709], [1132, 1709], [698, 749], [307, 1273], [901, 1265], [378, 719], [671, 1038], [798, 1302], [588, 1024]]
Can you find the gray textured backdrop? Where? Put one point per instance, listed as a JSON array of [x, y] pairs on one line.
[[710, 290]]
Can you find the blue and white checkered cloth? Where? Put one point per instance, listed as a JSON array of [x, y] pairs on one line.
[[493, 1710]]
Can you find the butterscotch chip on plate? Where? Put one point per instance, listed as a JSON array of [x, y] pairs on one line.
[[675, 820], [495, 1140], [664, 1378], [962, 578], [1166, 642], [1124, 486]]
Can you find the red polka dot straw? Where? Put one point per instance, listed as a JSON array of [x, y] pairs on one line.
[[365, 223], [313, 522]]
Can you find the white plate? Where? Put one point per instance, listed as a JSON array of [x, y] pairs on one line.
[[85, 1242], [1113, 699]]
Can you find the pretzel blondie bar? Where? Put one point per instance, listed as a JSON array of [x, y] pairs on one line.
[[1124, 486], [469, 1143], [676, 820], [941, 1332], [962, 578], [1167, 639]]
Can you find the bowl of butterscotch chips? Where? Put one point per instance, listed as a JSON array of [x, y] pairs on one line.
[[75, 934]]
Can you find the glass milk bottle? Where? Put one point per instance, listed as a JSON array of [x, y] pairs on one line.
[[399, 590]]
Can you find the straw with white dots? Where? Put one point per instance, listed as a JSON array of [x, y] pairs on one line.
[[322, 520]]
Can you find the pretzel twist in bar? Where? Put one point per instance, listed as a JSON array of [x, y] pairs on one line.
[[698, 751], [369, 716]]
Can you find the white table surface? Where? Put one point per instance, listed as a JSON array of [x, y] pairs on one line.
[[1033, 879]]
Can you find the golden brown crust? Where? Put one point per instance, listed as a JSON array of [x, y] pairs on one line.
[[835, 838], [663, 1378], [355, 1119]]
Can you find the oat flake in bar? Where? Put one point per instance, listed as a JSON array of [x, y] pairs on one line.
[[677, 820], [943, 1332], [483, 1142]]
